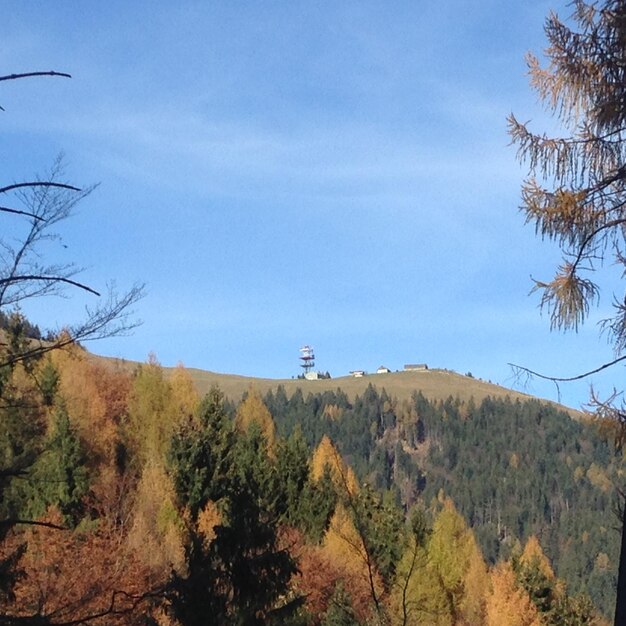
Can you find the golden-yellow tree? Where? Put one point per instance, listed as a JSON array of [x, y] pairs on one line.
[[184, 395], [507, 603], [253, 411], [475, 586], [151, 419], [534, 556], [327, 456], [450, 550], [345, 548], [418, 596], [157, 533]]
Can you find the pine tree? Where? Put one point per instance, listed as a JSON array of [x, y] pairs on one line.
[[340, 611], [199, 454], [236, 570], [48, 382], [380, 522], [292, 475], [534, 574], [60, 476], [317, 505]]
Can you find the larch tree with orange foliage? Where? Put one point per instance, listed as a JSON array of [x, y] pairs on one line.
[[534, 574], [507, 603], [354, 523], [450, 548], [74, 577], [340, 561], [253, 411], [575, 193], [326, 456], [96, 397]]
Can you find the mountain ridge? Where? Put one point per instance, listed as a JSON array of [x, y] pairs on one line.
[[434, 384]]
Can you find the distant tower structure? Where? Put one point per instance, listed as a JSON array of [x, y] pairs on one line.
[[307, 359]]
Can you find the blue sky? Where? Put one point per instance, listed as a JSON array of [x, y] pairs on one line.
[[282, 173]]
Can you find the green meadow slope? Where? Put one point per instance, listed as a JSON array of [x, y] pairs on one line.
[[434, 384]]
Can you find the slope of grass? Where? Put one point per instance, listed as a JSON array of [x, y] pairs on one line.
[[435, 384]]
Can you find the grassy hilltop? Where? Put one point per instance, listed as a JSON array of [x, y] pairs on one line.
[[435, 384]]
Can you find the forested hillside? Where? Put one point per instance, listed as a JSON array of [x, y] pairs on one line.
[[129, 499], [514, 469]]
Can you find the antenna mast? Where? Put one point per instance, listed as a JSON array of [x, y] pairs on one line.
[[307, 359]]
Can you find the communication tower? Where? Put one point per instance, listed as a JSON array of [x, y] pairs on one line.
[[307, 359]]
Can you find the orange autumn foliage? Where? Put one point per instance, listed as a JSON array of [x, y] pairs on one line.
[[253, 411], [507, 603], [185, 398], [96, 398], [71, 576], [208, 518], [319, 572], [533, 556], [326, 455]]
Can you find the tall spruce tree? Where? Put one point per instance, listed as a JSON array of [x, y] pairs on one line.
[[239, 574], [199, 454], [60, 476]]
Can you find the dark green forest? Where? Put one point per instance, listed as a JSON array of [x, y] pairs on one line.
[[512, 468]]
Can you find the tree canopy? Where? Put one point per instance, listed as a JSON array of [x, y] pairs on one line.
[[575, 193]]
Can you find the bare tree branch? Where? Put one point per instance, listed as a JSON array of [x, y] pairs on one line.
[[567, 379], [31, 74], [115, 608], [45, 183], [23, 275], [9, 523], [6, 209], [50, 279], [109, 320]]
